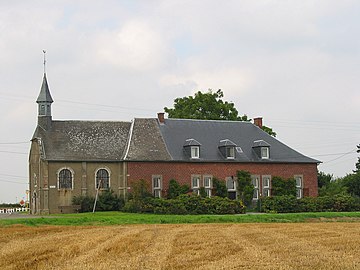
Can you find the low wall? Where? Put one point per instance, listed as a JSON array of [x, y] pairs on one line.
[[13, 210]]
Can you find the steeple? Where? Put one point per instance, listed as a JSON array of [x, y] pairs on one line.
[[44, 101]]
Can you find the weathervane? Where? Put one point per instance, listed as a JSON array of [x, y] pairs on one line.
[[44, 61]]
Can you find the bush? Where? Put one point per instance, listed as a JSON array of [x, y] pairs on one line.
[[219, 188], [107, 201], [176, 190], [289, 204], [245, 187], [283, 187], [86, 203], [185, 204]]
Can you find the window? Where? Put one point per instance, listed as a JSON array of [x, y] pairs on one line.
[[265, 152], [230, 183], [195, 153], [231, 187], [230, 152], [266, 183], [299, 186], [102, 179], [65, 179], [157, 185], [42, 110], [195, 184], [255, 182], [208, 184]]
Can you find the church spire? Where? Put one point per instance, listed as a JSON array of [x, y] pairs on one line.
[[44, 101]]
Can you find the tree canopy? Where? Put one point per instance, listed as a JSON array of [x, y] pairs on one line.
[[208, 106], [357, 164]]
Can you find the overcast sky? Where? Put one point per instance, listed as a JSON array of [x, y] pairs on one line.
[[295, 63]]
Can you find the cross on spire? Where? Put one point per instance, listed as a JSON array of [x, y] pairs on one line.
[[44, 61]]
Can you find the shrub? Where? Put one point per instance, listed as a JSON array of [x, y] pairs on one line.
[[140, 190], [283, 187], [186, 204], [245, 187], [86, 203], [175, 189], [289, 204], [108, 201], [219, 188]]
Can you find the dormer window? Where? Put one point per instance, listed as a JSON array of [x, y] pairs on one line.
[[262, 149], [192, 148], [265, 152], [230, 152], [227, 149], [195, 152]]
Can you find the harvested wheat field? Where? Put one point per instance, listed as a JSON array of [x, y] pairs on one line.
[[200, 246]]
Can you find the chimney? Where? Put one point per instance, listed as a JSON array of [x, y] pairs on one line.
[[258, 122], [161, 117]]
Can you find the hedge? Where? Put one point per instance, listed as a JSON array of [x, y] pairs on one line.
[[289, 204], [185, 204]]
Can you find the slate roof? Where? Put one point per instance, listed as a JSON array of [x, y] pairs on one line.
[[84, 140], [209, 133], [145, 139], [44, 95], [146, 143]]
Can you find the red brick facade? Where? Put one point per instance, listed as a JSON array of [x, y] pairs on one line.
[[182, 172]]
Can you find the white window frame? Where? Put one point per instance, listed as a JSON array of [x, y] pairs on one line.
[[230, 152], [255, 180], [156, 190], [72, 178], [266, 149], [234, 183], [234, 189], [195, 188], [208, 188], [195, 152], [266, 188], [299, 187]]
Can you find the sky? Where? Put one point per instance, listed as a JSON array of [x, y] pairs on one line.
[[294, 63]]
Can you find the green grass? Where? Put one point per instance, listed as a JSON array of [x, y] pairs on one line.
[[118, 218]]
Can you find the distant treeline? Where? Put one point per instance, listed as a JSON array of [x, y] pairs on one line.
[[7, 205]]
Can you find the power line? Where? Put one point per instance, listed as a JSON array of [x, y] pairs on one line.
[[13, 152], [334, 154], [11, 175], [13, 182], [13, 142], [352, 151]]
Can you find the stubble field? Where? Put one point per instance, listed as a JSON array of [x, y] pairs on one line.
[[328, 245]]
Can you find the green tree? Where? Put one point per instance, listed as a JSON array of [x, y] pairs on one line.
[[219, 188], [352, 183], [175, 189], [357, 164], [208, 106], [283, 187], [140, 190], [333, 188], [245, 187], [323, 179]]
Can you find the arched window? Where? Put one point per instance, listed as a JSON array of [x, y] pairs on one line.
[[102, 179], [65, 179]]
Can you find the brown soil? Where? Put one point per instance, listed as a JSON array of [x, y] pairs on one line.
[[201, 246]]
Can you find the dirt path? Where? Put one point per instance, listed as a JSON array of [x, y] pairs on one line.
[[196, 246]]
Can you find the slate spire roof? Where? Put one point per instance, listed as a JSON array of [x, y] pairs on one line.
[[44, 95]]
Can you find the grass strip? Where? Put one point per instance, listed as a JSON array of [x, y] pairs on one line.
[[119, 218]]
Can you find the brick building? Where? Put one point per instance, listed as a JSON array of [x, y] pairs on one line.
[[70, 158]]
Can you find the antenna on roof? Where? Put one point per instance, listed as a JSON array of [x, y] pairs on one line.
[[44, 61]]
